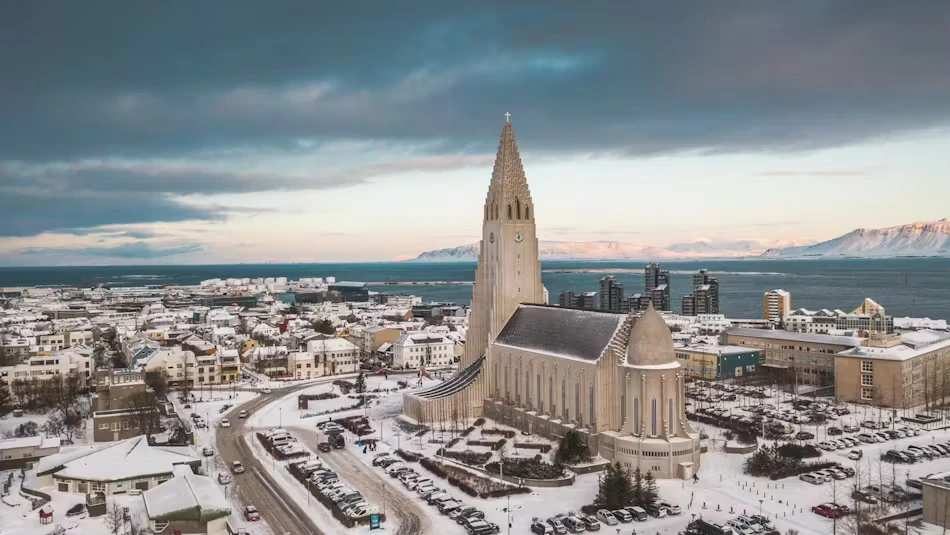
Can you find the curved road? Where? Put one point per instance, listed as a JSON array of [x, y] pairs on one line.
[[255, 485], [279, 510]]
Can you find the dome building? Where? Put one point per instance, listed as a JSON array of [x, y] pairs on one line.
[[548, 370]]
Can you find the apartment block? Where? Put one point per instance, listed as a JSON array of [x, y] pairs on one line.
[[776, 305]]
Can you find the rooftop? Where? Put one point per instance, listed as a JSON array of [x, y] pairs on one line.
[[116, 461], [914, 344], [581, 334], [777, 334], [29, 442], [186, 497]]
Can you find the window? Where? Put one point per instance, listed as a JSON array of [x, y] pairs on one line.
[[103, 426], [509, 211], [527, 212], [867, 380], [867, 394], [518, 207], [867, 366], [636, 416], [669, 422]]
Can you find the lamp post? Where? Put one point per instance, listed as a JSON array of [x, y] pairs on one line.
[[760, 506]]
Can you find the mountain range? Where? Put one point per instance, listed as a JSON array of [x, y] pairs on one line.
[[930, 238]]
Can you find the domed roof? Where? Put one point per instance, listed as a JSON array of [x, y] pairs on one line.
[[650, 341]]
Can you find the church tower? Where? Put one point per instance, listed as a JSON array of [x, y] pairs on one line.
[[509, 270]]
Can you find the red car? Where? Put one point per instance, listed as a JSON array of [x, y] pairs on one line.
[[827, 510], [251, 514]]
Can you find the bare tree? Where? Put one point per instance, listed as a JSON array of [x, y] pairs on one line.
[[143, 412], [115, 518]]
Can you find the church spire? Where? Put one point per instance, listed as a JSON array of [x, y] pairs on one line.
[[508, 195]]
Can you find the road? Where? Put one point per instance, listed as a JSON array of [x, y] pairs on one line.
[[255, 486], [372, 483]]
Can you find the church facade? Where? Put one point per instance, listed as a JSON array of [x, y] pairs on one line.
[[548, 369]]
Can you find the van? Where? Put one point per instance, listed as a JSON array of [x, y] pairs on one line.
[[812, 478]]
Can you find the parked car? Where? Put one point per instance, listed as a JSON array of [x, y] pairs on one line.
[[811, 478], [591, 523], [224, 478], [541, 529], [750, 524], [573, 524], [827, 510], [671, 509], [607, 517], [834, 431], [740, 528], [623, 516], [763, 521], [323, 447], [207, 451], [655, 510], [850, 428], [639, 514], [866, 438], [251, 514]]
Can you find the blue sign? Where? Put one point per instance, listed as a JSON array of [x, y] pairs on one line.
[[374, 521]]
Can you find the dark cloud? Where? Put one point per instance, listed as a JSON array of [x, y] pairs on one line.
[[134, 250], [134, 100]]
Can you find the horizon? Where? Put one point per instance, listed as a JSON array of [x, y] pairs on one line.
[[306, 135]]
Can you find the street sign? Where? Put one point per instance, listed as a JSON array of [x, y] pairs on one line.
[[374, 521]]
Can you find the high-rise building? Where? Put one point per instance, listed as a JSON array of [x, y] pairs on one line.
[[656, 286], [776, 305], [587, 301], [704, 299], [611, 295], [567, 299]]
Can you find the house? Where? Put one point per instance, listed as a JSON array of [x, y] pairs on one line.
[[372, 338], [56, 365], [114, 468], [423, 349], [334, 356], [189, 503], [21, 452]]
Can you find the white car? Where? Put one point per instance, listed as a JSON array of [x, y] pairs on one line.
[[740, 528], [751, 524], [812, 478], [607, 517], [242, 414], [225, 423], [265, 391]]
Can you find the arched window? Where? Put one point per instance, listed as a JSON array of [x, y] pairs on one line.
[[653, 416], [527, 212], [636, 416], [509, 211], [494, 210], [623, 408], [518, 208]]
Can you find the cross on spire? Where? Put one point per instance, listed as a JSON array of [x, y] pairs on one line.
[[507, 117]]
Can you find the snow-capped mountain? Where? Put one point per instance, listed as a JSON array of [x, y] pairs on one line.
[[612, 250], [924, 238]]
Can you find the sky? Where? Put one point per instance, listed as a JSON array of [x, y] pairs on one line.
[[231, 131]]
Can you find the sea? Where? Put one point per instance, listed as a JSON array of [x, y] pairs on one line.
[[917, 287]]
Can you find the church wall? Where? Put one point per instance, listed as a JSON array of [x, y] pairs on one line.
[[565, 384]]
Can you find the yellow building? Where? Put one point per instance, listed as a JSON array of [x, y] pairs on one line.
[[248, 345], [776, 305], [714, 362]]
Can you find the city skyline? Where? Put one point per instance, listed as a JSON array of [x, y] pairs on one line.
[[301, 134]]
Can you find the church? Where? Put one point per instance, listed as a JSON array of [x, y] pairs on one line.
[[546, 369]]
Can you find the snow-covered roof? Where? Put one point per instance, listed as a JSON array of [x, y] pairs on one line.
[[186, 497], [330, 344], [29, 442], [774, 334], [914, 344], [127, 459], [581, 334]]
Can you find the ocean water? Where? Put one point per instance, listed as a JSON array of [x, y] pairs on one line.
[[905, 286]]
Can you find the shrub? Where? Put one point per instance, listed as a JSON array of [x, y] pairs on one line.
[[468, 457], [468, 431], [572, 449], [503, 432], [498, 445], [479, 422], [527, 468], [798, 451]]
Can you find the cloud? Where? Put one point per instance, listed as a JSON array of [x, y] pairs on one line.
[[134, 250], [131, 134]]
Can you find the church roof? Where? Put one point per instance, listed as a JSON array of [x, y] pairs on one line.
[[651, 342], [568, 332], [508, 181]]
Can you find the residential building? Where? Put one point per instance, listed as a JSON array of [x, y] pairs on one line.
[[230, 362], [567, 299], [776, 305], [59, 364], [808, 359], [423, 349], [611, 295], [587, 301], [23, 452], [374, 337], [303, 366], [656, 286], [334, 356], [59, 341], [895, 371], [704, 297], [177, 363], [812, 322]]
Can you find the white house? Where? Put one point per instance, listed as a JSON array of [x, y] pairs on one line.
[[58, 364], [423, 349], [334, 356]]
